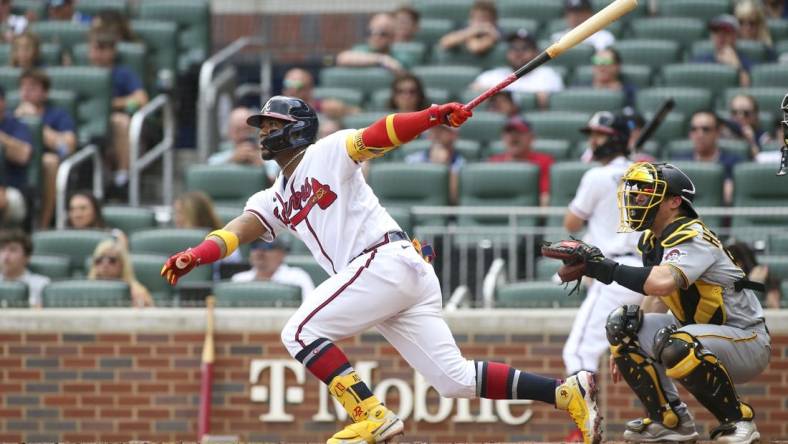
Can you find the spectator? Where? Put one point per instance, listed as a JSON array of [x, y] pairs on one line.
[[575, 13], [377, 51], [521, 50], [25, 51], [241, 146], [723, 35], [15, 251], [480, 35], [776, 9], [111, 262], [407, 94], [607, 74], [743, 123], [745, 258], [267, 261], [65, 10], [84, 212], [705, 133], [518, 138], [10, 23], [59, 134], [406, 21], [16, 151], [752, 25], [299, 83], [442, 151], [503, 102], [115, 22], [128, 95]]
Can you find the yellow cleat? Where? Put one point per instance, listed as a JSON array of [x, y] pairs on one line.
[[577, 395], [380, 426]]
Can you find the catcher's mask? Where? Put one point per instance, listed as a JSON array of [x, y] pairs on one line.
[[643, 188], [300, 129]]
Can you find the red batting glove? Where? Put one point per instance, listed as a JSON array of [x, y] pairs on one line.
[[453, 114], [178, 265]]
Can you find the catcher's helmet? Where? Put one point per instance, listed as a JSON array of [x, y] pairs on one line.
[[644, 186], [300, 129], [617, 129]]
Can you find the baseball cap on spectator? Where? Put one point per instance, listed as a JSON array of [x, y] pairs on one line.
[[523, 35], [518, 124], [277, 244], [724, 22], [577, 5]]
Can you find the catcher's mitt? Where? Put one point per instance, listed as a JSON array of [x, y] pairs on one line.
[[574, 254]]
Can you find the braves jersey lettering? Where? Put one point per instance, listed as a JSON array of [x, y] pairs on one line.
[[311, 192]]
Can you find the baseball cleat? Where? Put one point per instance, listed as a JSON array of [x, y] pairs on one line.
[[577, 395], [380, 426], [739, 432], [646, 430]]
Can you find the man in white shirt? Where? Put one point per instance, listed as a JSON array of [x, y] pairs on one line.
[[267, 260], [522, 48], [575, 13], [15, 250]]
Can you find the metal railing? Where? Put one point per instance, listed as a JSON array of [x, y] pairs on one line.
[[163, 149], [64, 171], [213, 85]]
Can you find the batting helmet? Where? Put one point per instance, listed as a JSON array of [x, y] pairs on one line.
[[300, 129], [643, 188], [617, 129]]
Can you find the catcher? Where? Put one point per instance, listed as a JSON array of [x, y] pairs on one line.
[[715, 334]]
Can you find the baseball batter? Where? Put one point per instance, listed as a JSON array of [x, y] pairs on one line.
[[595, 205], [715, 335], [378, 278]]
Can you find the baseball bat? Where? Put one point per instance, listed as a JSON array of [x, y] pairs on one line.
[[206, 370], [651, 126], [784, 150], [601, 19]]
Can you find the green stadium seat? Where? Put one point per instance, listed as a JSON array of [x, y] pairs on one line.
[[688, 100], [778, 244], [432, 29], [86, 293], [93, 89], [757, 186], [524, 101], [310, 265], [638, 75], [9, 77], [402, 216], [226, 184], [129, 219], [53, 266], [753, 50], [533, 9], [770, 74], [93, 7], [673, 127], [160, 39], [512, 184], [193, 18], [535, 294], [65, 33], [586, 99], [416, 51], [640, 11], [457, 57], [708, 179], [564, 179], [365, 80], [75, 244], [712, 76], [147, 270], [454, 10], [778, 266], [700, 9], [509, 25], [406, 185], [380, 98], [227, 213], [650, 52], [558, 124], [572, 58], [362, 120], [454, 79], [165, 241], [485, 126], [778, 28], [36, 7], [349, 96], [470, 150], [558, 149], [683, 30], [546, 268], [13, 295], [559, 25], [5, 54], [682, 147], [256, 294], [131, 55], [768, 98], [51, 53]]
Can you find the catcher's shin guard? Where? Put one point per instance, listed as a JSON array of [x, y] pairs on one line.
[[702, 374], [354, 395]]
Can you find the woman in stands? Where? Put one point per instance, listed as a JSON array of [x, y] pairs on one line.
[[84, 212], [407, 94], [752, 25], [111, 262], [26, 51]]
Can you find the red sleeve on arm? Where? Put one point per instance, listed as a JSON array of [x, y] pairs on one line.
[[544, 176], [207, 252], [406, 127]]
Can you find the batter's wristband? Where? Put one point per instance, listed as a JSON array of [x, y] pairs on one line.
[[230, 240]]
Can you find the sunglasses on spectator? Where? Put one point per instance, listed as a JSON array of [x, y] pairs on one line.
[[293, 84], [381, 34], [111, 259], [602, 61], [751, 22], [409, 91], [742, 112], [703, 129]]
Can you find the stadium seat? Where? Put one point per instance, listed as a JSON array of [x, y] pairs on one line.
[[712, 76], [129, 219], [365, 80], [558, 25], [380, 98], [564, 180], [540, 10], [778, 28], [753, 50], [93, 7], [36, 7], [508, 25], [688, 100], [454, 10], [778, 244], [558, 149], [470, 150], [708, 179], [362, 120], [640, 11], [166, 241], [546, 268], [432, 29], [310, 265], [681, 147], [650, 52], [535, 294], [49, 52], [574, 57], [673, 127], [637, 75], [401, 215], [86, 293], [757, 186], [161, 41], [256, 294], [415, 51], [451, 78], [131, 55], [406, 185], [682, 30], [700, 9], [770, 74], [586, 99], [558, 124], [349, 96], [778, 266], [75, 244], [227, 184], [64, 33], [510, 184], [768, 98], [13, 295], [93, 88], [457, 57], [484, 126], [9, 77], [524, 101], [147, 270], [53, 266], [194, 26]]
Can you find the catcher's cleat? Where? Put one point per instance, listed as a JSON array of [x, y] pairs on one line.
[[577, 395], [739, 432], [380, 426], [646, 430]]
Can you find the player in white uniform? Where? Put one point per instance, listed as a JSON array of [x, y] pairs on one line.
[[378, 279], [595, 204]]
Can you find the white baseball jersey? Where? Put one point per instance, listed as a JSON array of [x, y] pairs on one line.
[[326, 203], [542, 79]]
